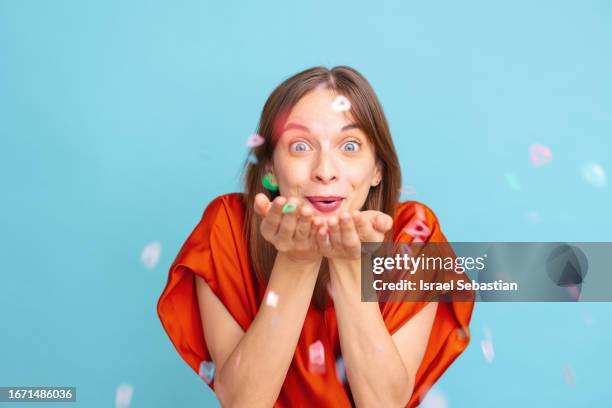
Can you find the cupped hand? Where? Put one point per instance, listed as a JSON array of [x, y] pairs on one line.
[[290, 225], [341, 237]]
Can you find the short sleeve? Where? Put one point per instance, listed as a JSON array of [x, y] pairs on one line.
[[450, 333], [216, 251]]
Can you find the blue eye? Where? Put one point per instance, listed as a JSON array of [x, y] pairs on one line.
[[352, 146], [299, 147]]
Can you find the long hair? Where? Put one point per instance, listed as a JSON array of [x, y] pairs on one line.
[[368, 115]]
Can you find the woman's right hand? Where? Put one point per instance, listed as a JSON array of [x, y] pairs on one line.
[[292, 233]]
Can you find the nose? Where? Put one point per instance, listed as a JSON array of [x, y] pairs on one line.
[[325, 170]]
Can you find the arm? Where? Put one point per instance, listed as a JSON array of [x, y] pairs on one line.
[[251, 367], [387, 378]]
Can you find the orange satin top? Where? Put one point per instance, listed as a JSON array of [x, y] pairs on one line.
[[216, 250]]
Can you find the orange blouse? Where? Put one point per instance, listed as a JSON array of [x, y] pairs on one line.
[[216, 250]]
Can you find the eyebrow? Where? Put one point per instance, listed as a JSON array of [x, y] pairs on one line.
[[304, 128]]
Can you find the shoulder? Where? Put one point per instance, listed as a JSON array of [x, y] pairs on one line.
[[224, 209]]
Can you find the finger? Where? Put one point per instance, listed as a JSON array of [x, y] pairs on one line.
[[335, 236], [287, 225], [302, 230], [350, 239], [363, 225], [271, 222], [323, 239], [262, 204], [383, 222]]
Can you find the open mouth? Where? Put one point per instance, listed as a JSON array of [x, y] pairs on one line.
[[326, 204]]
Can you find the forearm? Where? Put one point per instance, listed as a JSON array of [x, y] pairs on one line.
[[374, 367], [255, 371]]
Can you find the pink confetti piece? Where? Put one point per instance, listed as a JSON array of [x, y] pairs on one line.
[[316, 357], [123, 396], [150, 254], [272, 299], [341, 104], [540, 155], [254, 140], [417, 229], [573, 291]]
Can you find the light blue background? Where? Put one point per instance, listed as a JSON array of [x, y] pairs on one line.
[[121, 120]]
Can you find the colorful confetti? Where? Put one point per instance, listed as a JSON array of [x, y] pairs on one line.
[[150, 254], [340, 370], [487, 350], [272, 299], [207, 371], [408, 190], [434, 398], [594, 174], [316, 357], [269, 182], [289, 208], [512, 181], [341, 104], [123, 396], [418, 230], [568, 375], [539, 155], [254, 140]]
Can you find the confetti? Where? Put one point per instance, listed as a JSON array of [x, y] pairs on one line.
[[272, 299], [512, 181], [341, 104], [269, 182], [150, 254], [123, 396], [254, 140], [316, 355], [418, 230], [434, 398], [207, 371], [568, 375], [540, 155], [594, 174], [288, 208], [574, 291], [487, 350], [252, 159], [534, 217], [408, 190], [340, 370]]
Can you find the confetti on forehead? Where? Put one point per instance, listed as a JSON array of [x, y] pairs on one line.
[[341, 104]]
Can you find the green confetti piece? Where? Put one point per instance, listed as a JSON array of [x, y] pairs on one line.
[[288, 208], [269, 182]]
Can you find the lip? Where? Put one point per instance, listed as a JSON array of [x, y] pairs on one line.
[[318, 203]]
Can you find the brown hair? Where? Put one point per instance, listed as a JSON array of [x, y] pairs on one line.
[[368, 115]]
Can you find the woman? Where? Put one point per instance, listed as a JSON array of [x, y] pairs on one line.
[[266, 289]]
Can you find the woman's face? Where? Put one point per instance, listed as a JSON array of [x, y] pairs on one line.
[[323, 157]]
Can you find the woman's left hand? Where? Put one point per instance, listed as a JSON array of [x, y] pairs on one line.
[[341, 237]]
